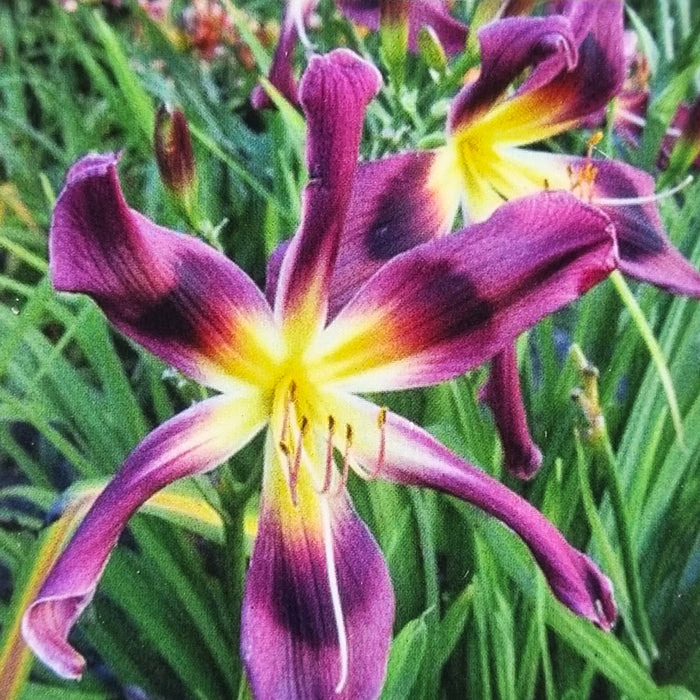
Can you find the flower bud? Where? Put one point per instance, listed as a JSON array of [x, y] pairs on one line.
[[393, 31], [173, 149]]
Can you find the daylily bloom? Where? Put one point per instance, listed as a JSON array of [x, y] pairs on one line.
[[631, 104], [318, 604], [451, 34], [403, 200]]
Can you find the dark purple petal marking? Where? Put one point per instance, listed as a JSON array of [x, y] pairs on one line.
[[392, 210], [154, 284], [335, 91], [586, 89], [508, 47], [289, 637], [645, 251], [577, 58], [192, 442], [447, 306], [521, 456], [411, 456]]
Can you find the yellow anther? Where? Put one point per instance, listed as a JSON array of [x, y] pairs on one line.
[[595, 139]]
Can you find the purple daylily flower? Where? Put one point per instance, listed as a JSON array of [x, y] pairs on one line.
[[318, 606], [576, 66], [451, 33]]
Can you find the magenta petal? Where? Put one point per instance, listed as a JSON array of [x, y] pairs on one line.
[[192, 442], [645, 252], [289, 635], [577, 58], [508, 47], [155, 285], [392, 209], [448, 305], [404, 453], [281, 73], [335, 91], [502, 393], [599, 73]]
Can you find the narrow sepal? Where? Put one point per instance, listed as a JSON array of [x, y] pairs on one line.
[[335, 91], [176, 296], [319, 606], [502, 392], [448, 305], [192, 442], [281, 73], [508, 47], [390, 447]]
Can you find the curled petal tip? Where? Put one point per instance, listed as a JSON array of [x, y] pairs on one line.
[[45, 628], [92, 165], [528, 464], [363, 78], [598, 602]]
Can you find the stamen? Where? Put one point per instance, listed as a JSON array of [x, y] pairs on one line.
[[346, 460], [294, 468], [381, 424], [335, 599], [595, 139], [647, 199], [583, 179], [291, 398], [301, 31], [329, 456]]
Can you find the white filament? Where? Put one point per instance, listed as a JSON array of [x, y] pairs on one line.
[[627, 201], [335, 597]]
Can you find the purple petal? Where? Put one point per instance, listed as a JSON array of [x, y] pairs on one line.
[[447, 306], [508, 47], [192, 442], [645, 251], [335, 91], [521, 456], [281, 73], [422, 13], [313, 564], [173, 294], [399, 451], [394, 206], [626, 195], [578, 66]]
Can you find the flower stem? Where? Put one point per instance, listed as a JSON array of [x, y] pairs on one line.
[[657, 356], [599, 439]]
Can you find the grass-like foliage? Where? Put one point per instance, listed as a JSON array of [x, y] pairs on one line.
[[474, 617]]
